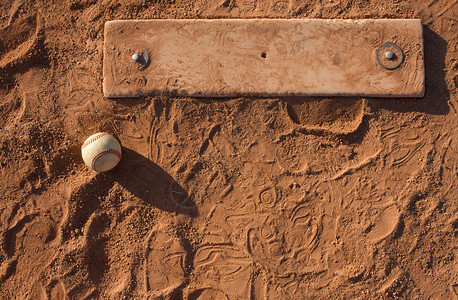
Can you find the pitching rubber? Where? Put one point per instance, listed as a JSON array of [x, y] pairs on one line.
[[101, 152]]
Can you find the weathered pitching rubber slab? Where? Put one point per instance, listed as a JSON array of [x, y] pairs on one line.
[[264, 57]]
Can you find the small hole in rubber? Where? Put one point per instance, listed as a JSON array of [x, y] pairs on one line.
[[263, 55]]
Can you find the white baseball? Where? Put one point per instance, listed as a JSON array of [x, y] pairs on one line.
[[101, 152]]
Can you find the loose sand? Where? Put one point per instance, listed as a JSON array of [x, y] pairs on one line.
[[285, 198]]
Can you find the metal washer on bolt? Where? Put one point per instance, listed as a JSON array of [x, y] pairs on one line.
[[389, 47], [142, 59]]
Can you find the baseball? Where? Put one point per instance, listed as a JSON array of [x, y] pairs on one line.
[[101, 152]]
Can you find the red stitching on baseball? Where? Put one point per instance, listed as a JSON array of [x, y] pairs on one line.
[[102, 153], [93, 139]]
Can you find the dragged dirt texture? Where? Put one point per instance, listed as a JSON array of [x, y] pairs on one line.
[[238, 198]]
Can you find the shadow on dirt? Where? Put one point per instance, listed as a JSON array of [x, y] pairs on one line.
[[437, 95], [147, 181]]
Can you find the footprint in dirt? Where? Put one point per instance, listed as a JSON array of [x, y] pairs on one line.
[[387, 222], [80, 90], [284, 244], [225, 268], [29, 244], [41, 290], [11, 109], [165, 264], [19, 40], [336, 116], [207, 293]]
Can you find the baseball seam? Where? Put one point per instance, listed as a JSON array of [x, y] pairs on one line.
[[102, 153], [93, 139]]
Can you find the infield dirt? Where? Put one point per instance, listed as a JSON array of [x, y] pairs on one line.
[[237, 198]]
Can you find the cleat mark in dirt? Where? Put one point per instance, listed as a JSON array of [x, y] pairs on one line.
[[222, 259], [164, 268], [209, 139], [39, 233], [22, 37], [283, 244], [268, 197], [37, 292], [369, 160], [226, 266], [57, 290], [11, 236], [402, 154], [370, 149], [387, 222], [207, 293], [81, 89]]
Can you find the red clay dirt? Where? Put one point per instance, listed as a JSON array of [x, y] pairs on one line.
[[237, 198]]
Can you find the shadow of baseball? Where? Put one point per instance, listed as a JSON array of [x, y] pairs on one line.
[[147, 181]]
